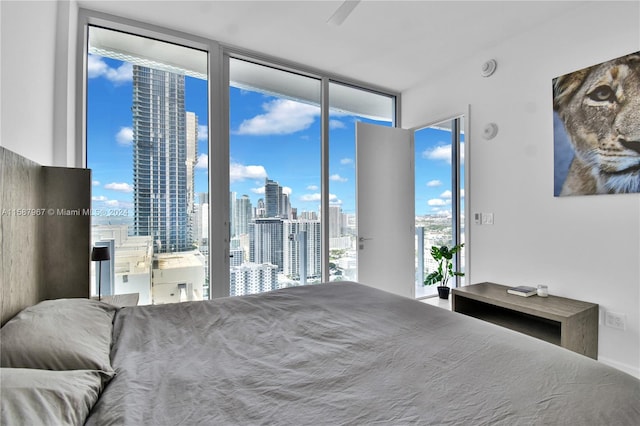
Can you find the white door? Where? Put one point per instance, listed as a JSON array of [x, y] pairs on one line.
[[385, 208]]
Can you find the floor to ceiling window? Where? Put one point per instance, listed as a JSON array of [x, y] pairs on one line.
[[275, 178], [156, 133], [146, 144], [439, 192]]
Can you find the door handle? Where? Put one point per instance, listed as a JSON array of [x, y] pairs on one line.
[[361, 241]]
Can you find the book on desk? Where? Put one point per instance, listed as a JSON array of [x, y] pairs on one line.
[[522, 290]]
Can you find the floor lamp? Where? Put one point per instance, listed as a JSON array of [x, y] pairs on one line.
[[100, 254]]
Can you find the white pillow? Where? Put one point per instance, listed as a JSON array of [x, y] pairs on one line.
[[61, 334], [44, 397]]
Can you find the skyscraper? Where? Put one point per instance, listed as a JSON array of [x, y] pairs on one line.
[[242, 215], [302, 249], [335, 221], [266, 241], [163, 188], [191, 128], [272, 197]]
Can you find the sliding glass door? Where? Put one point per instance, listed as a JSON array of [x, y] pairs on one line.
[[439, 196]]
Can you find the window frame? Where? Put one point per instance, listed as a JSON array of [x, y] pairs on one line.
[[219, 55]]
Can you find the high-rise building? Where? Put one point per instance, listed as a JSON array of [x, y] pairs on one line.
[[285, 206], [307, 216], [162, 156], [261, 210], [241, 215], [191, 129], [251, 278], [201, 221], [302, 249], [266, 241], [335, 221], [272, 197]]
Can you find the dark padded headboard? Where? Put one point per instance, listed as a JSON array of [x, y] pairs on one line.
[[44, 244]]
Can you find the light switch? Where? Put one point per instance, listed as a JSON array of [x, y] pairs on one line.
[[487, 218]]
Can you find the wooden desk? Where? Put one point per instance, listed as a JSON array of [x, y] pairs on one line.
[[569, 323]]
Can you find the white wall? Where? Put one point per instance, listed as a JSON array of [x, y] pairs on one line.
[[585, 247], [37, 79]]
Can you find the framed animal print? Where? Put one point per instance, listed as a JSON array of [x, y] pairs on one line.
[[597, 129]]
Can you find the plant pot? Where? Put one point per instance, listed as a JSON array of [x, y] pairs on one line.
[[443, 292]]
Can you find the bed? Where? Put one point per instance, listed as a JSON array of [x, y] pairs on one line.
[[333, 353]]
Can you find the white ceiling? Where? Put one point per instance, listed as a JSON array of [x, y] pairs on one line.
[[389, 44]]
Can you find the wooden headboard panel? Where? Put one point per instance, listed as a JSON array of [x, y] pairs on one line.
[[44, 232]]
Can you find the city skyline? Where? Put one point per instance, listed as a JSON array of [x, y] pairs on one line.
[[258, 123], [147, 144]]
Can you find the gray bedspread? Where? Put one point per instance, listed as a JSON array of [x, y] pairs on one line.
[[346, 354]]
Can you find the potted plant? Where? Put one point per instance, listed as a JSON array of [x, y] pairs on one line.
[[444, 256]]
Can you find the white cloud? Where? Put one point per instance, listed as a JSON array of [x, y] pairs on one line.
[[438, 202], [317, 197], [336, 124], [96, 67], [442, 153], [118, 204], [311, 197], [281, 117], [119, 186], [106, 202], [239, 172], [95, 182], [203, 132], [287, 190], [313, 188], [434, 183], [346, 161], [338, 178], [203, 162], [125, 136], [446, 195], [439, 153]]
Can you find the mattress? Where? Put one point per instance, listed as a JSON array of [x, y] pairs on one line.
[[346, 354]]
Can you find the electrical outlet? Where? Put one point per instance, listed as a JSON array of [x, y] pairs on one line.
[[615, 320]]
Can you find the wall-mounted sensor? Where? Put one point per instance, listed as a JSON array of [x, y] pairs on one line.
[[490, 131], [489, 67]]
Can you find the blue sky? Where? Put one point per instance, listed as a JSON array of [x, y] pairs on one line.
[[270, 137]]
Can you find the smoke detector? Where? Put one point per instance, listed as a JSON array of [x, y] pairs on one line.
[[490, 131], [489, 67]]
